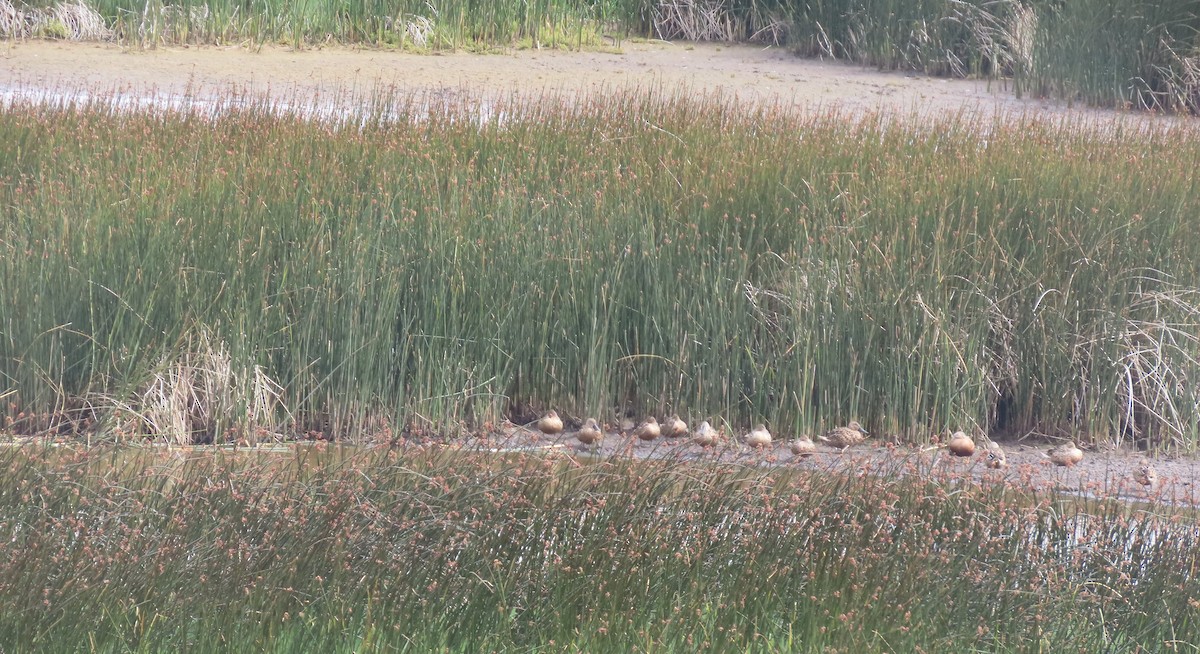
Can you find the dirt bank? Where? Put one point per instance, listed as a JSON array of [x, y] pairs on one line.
[[1108, 474], [751, 74]]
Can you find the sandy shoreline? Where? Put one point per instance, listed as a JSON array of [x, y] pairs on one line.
[[749, 74]]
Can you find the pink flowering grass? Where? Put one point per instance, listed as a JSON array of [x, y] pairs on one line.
[[445, 549]]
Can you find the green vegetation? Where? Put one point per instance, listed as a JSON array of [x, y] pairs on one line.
[[1122, 53], [409, 23], [1143, 55], [249, 274], [427, 550]]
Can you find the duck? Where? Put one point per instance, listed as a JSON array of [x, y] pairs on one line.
[[550, 423], [627, 425], [1145, 474], [649, 429], [1065, 455], [844, 437], [994, 458], [961, 445], [705, 435], [759, 436], [674, 427], [589, 433], [803, 447]]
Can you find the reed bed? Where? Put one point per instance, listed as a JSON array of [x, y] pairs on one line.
[[1122, 53], [429, 549], [410, 24], [247, 275]]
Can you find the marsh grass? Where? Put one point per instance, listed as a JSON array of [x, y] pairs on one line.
[[428, 549], [409, 24], [418, 267], [1123, 54]]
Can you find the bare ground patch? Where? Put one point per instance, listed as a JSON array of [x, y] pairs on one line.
[[747, 73]]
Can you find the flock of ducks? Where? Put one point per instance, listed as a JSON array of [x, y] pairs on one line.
[[590, 433], [843, 438]]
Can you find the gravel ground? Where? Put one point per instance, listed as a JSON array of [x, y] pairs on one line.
[[1100, 474]]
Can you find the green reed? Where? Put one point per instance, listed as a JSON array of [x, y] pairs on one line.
[[1118, 53], [419, 25], [1103, 52], [423, 550], [255, 274]]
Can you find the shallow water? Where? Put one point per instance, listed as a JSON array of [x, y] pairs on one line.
[[335, 109]]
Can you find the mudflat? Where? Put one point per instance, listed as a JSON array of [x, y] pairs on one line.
[[750, 74]]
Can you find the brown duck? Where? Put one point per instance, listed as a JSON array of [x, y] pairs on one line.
[[550, 423], [589, 433], [803, 447], [705, 435], [1065, 455], [648, 430], [844, 437], [1145, 474], [759, 436], [674, 427], [994, 457], [961, 445]]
